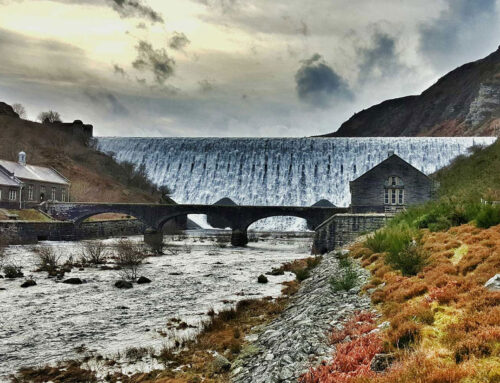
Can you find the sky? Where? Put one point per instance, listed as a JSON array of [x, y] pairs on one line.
[[244, 68]]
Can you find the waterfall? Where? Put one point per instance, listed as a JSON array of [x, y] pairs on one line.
[[276, 171]]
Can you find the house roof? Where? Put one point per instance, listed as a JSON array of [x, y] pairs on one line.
[[8, 180], [392, 157], [34, 173]]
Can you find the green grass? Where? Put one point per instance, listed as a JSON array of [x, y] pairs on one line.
[[348, 277]]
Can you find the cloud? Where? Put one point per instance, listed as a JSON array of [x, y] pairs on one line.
[[106, 102], [459, 31], [317, 83], [119, 70], [178, 41], [156, 61], [205, 86], [380, 59], [135, 8]]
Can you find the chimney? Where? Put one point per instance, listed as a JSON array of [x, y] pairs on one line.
[[22, 159], [390, 153]]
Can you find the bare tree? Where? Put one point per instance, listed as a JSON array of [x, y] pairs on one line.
[[19, 109], [48, 117], [48, 259], [94, 252], [3, 254], [129, 257]]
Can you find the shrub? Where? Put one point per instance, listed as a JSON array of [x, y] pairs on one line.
[[12, 271], [302, 274], [410, 259], [129, 258], [348, 276], [441, 224], [48, 259], [488, 216], [404, 335], [377, 242], [94, 252], [49, 117]]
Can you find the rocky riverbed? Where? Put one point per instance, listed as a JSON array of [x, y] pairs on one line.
[[53, 321], [298, 339]]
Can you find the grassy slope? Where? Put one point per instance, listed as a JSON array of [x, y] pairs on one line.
[[428, 267], [95, 177], [472, 176]]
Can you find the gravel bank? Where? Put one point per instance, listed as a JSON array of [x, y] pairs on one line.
[[298, 338]]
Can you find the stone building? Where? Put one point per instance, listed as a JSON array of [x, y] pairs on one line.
[[21, 183], [390, 186]]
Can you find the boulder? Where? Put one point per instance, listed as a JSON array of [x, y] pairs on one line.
[[382, 362], [121, 284], [262, 279], [143, 280], [493, 283], [28, 283], [73, 281], [220, 364]]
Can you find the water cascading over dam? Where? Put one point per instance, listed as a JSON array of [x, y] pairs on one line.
[[276, 171]]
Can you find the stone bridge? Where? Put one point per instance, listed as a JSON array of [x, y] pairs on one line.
[[239, 217]]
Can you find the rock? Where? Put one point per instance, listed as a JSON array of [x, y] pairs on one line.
[[220, 364], [276, 272], [381, 362], [143, 280], [28, 283], [123, 284], [73, 281], [262, 279], [493, 283]]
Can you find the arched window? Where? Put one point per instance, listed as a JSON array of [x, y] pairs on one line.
[[394, 192]]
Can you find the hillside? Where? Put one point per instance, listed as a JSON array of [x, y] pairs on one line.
[[465, 102], [94, 176]]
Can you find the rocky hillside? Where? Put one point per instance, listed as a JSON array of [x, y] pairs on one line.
[[94, 176], [465, 102]]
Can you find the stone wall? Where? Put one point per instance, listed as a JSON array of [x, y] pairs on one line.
[[341, 229], [25, 232]]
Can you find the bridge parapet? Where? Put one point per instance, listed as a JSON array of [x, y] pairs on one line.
[[239, 217]]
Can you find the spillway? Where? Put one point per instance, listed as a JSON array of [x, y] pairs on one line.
[[276, 171]]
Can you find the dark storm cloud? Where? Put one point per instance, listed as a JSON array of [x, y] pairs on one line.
[[460, 30], [125, 8], [178, 41], [380, 59], [107, 102], [130, 8], [318, 84], [155, 61]]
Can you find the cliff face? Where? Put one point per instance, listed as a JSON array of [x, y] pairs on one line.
[[465, 102]]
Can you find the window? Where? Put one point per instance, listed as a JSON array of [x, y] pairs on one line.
[[394, 193], [63, 194], [12, 195], [53, 195], [30, 192]]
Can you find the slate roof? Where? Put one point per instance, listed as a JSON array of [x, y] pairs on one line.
[[391, 158], [7, 180], [34, 173]]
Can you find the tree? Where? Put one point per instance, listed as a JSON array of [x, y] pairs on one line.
[[20, 110], [49, 117]]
